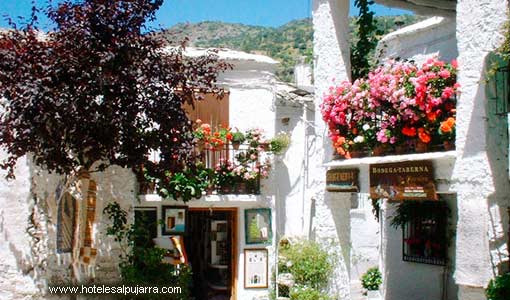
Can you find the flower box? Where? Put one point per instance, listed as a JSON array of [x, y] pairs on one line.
[[398, 104]]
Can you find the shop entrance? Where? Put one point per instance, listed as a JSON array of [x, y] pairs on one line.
[[211, 246]]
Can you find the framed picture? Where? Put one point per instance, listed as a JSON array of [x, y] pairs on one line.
[[174, 220], [255, 268], [257, 225]]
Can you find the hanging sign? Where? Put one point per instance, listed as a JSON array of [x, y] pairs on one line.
[[413, 180], [342, 180]]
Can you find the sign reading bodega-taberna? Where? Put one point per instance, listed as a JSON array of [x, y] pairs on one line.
[[403, 181], [342, 180]]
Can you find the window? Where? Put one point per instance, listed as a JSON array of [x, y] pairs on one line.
[[425, 233]]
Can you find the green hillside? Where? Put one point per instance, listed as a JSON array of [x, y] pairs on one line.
[[286, 44]]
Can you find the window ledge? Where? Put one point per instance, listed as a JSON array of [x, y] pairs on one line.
[[448, 155]]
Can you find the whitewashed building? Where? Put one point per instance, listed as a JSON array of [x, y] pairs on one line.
[[28, 249], [473, 179]]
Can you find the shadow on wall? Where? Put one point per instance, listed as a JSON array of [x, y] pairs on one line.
[[286, 120], [36, 255], [34, 261], [497, 154]]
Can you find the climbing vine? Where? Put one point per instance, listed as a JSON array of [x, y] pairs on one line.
[[367, 33]]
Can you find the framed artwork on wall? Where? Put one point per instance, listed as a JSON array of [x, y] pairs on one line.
[[255, 268], [174, 220], [257, 223]]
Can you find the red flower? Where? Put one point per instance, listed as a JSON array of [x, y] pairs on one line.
[[432, 116], [423, 135], [409, 131]]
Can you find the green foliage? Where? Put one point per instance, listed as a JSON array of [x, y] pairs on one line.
[[238, 137], [372, 279], [299, 292], [367, 39], [504, 49], [499, 288], [141, 262], [376, 208], [311, 267], [183, 185], [407, 211], [279, 143]]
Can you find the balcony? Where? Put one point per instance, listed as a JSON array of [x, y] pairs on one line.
[[224, 169]]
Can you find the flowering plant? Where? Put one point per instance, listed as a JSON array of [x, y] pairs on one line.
[[212, 140], [255, 138], [447, 129], [203, 131], [397, 103], [224, 173]]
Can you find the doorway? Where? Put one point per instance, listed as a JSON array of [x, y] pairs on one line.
[[211, 245]]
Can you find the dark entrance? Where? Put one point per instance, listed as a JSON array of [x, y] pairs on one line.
[[211, 244]]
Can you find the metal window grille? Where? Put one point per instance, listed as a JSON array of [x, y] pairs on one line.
[[424, 238]]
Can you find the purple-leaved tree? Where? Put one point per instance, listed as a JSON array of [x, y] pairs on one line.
[[98, 89]]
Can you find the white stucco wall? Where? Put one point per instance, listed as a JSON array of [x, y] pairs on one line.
[[480, 172], [15, 255], [28, 266], [420, 41], [329, 212]]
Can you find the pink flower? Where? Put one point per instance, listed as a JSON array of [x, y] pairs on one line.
[[447, 93], [381, 136], [444, 74]]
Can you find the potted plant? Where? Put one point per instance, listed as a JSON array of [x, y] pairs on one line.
[[225, 177], [279, 143], [237, 139], [371, 281], [202, 134]]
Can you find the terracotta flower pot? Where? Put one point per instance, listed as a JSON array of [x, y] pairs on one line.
[[380, 150], [448, 145], [356, 153], [236, 145], [402, 149], [226, 190], [421, 147]]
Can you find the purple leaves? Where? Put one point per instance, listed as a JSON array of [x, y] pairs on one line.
[[97, 89]]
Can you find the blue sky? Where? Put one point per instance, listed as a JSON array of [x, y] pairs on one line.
[[252, 12]]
